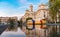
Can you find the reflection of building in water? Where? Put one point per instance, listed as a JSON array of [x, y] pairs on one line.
[[53, 31], [17, 33], [5, 19], [40, 13]]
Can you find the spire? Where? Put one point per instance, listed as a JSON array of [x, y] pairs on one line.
[[31, 8]]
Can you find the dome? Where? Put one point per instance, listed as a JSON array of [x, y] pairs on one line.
[[42, 6]]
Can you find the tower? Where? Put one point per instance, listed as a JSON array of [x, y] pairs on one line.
[[31, 8]]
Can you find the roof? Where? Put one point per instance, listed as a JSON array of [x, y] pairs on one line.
[[42, 5]]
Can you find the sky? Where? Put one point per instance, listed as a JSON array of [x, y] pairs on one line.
[[18, 7]]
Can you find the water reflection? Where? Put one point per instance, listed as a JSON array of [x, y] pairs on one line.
[[17, 33]]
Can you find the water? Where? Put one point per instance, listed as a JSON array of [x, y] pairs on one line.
[[17, 33]]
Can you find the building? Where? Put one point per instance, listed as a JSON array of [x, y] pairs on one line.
[[5, 19], [40, 13]]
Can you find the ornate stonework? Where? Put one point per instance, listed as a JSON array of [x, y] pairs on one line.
[[40, 13]]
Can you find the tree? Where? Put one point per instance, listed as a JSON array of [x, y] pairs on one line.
[[11, 23], [54, 6], [28, 18], [20, 23]]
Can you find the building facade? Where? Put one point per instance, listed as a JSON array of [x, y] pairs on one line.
[[40, 13], [5, 19]]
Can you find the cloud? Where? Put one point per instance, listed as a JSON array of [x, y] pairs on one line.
[[18, 33], [2, 14], [10, 12], [7, 10], [23, 1], [18, 15], [44, 1]]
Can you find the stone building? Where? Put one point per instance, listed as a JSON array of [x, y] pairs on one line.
[[40, 13], [5, 19]]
